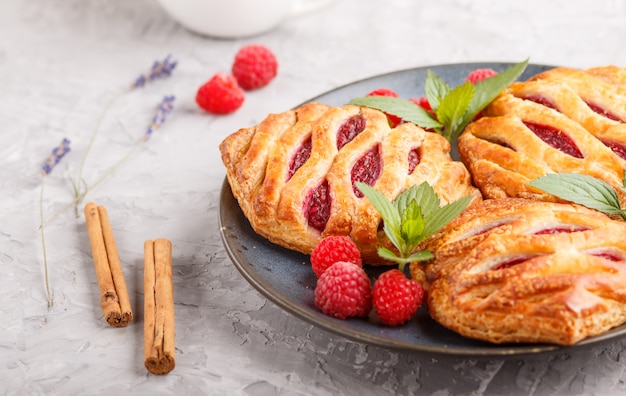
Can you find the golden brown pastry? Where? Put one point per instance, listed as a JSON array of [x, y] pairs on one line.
[[293, 174], [523, 271], [562, 120]]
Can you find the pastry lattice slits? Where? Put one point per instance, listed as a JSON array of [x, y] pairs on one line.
[[562, 120], [619, 148], [300, 157], [294, 173], [367, 169], [515, 283], [555, 138], [595, 98], [415, 155], [349, 130]]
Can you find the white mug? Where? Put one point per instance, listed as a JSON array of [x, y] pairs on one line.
[[236, 18]]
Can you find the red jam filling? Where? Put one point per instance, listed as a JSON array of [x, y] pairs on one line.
[[510, 263], [301, 156], [488, 228], [367, 169], [555, 138], [603, 112], [317, 206], [349, 130], [561, 230], [415, 156], [618, 148], [609, 256], [542, 100]]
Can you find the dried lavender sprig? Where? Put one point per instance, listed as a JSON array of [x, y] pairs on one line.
[[57, 154], [159, 69], [164, 109]]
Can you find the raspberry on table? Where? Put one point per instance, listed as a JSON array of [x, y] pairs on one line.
[[332, 249], [394, 121], [479, 75], [254, 66], [344, 290], [220, 95], [396, 298]]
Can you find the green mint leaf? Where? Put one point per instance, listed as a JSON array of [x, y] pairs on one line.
[[444, 215], [388, 212], [405, 109], [435, 89], [387, 254], [412, 228], [411, 218], [623, 188], [489, 88], [422, 255], [423, 194], [583, 190], [453, 109]]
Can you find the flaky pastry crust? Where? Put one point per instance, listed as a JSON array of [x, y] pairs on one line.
[[562, 120], [260, 170], [522, 271]]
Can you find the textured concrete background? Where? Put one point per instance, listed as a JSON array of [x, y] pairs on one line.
[[62, 61]]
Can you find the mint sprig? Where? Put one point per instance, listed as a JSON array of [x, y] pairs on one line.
[[454, 108], [405, 109], [410, 219], [583, 190]]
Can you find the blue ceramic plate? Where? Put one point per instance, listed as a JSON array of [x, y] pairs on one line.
[[285, 277]]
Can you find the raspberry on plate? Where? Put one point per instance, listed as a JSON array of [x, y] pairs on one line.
[[396, 298], [479, 75], [332, 249], [344, 290], [422, 102], [220, 95], [394, 121], [383, 92], [254, 66]]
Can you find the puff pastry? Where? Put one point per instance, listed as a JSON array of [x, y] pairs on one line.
[[562, 120], [293, 174], [522, 271]]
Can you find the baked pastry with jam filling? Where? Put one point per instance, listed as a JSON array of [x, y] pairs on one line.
[[522, 271], [561, 120], [294, 173]]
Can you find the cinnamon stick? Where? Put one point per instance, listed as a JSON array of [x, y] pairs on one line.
[[158, 307], [114, 298]]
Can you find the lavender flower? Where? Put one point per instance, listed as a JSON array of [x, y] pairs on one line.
[[57, 154], [164, 109], [159, 69]]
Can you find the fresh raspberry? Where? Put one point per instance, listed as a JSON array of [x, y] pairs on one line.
[[383, 92], [220, 95], [332, 249], [254, 66], [422, 102], [479, 75], [396, 298], [393, 120], [344, 290]]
